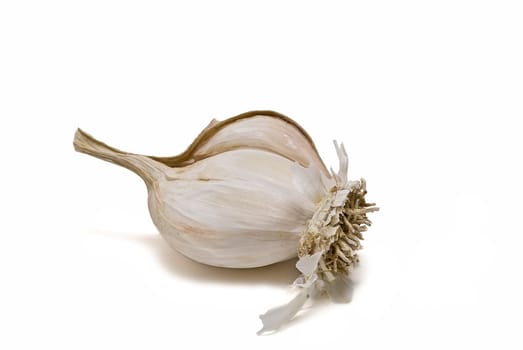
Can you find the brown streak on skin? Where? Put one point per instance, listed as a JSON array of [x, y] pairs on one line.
[[204, 179]]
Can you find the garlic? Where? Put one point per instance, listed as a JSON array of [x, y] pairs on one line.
[[252, 191]]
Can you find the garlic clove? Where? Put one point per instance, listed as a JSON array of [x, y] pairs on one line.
[[262, 130], [241, 208]]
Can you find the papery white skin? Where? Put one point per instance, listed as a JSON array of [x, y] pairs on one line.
[[242, 208]]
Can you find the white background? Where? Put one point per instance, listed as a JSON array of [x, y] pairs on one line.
[[427, 97]]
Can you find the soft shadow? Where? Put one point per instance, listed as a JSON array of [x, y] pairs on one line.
[[283, 273], [357, 276]]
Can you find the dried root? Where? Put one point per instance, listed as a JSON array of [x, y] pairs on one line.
[[339, 235]]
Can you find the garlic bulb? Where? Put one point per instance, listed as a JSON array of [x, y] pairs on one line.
[[252, 191]]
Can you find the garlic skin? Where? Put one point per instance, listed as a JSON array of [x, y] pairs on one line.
[[241, 208], [239, 197], [252, 191]]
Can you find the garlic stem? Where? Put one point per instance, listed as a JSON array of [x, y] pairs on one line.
[[143, 166]]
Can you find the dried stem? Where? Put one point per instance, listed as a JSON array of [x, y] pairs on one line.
[[144, 166]]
